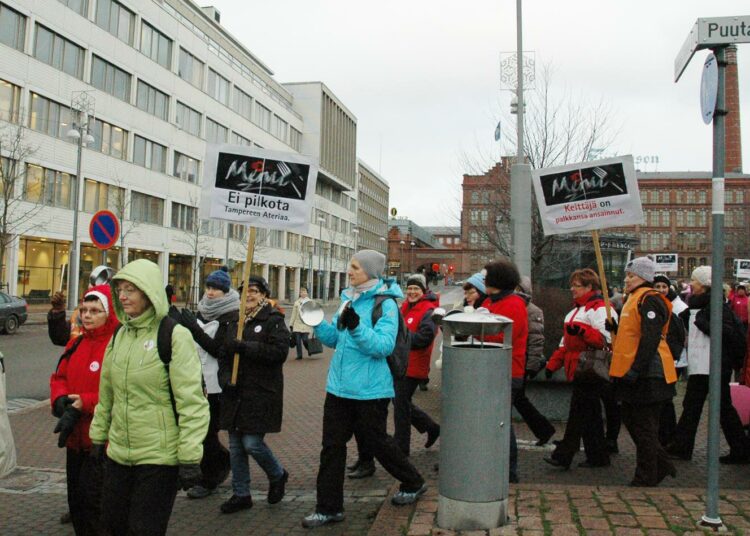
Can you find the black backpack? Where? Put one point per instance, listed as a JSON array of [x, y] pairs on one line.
[[164, 347], [398, 360], [735, 344]]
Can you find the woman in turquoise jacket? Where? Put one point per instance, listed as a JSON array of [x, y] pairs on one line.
[[153, 446], [359, 387]]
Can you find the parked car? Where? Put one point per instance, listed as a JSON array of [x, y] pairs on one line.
[[13, 312]]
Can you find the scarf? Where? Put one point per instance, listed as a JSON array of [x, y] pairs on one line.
[[249, 315], [212, 308], [358, 290]]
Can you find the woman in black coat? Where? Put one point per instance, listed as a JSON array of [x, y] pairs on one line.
[[254, 406]]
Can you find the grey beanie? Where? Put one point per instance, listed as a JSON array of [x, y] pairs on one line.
[[418, 280], [643, 267], [371, 261]]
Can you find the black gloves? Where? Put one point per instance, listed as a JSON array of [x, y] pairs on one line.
[[61, 402], [233, 346], [188, 319], [630, 377], [534, 372], [349, 318], [189, 475], [610, 325], [575, 329], [98, 451], [66, 424], [548, 373], [174, 314]]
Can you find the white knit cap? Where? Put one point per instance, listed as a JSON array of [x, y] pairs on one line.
[[702, 275], [102, 298]]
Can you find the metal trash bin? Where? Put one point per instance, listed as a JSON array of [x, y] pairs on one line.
[[475, 423]]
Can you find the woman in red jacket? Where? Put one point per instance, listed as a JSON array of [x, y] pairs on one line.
[[583, 329], [417, 312], [74, 392]]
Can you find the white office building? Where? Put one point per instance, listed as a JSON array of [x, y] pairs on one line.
[[160, 78]]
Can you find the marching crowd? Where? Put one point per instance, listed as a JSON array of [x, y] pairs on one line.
[[142, 389]]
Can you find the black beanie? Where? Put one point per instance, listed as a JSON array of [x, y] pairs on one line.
[[661, 278], [258, 281]]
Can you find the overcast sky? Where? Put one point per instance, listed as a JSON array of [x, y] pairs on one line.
[[422, 77]]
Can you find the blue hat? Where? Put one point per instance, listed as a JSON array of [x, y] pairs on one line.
[[219, 279], [477, 281]]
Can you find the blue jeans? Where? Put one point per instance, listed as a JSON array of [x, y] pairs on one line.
[[301, 341], [240, 445]]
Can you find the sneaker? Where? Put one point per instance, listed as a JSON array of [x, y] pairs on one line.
[[401, 497], [316, 519], [277, 489], [199, 492], [235, 504], [365, 469]]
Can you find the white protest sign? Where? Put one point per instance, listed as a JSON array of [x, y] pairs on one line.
[[258, 187], [665, 262], [742, 268], [588, 196]]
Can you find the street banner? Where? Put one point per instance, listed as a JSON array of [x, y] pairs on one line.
[[588, 196], [665, 262], [742, 268], [258, 187]]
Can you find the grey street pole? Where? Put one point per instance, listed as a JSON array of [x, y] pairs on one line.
[[320, 257], [73, 260], [401, 264], [711, 517], [520, 172], [226, 249]]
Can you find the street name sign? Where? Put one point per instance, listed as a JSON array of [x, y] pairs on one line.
[[710, 32]]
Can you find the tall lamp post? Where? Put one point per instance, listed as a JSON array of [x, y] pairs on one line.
[[411, 257], [83, 104], [321, 219], [401, 263]]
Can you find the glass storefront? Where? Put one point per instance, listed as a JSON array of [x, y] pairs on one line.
[[180, 277], [42, 268]]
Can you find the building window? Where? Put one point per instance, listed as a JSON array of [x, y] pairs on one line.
[[116, 19], [53, 49], [190, 69], [109, 139], [218, 87], [183, 217], [237, 231], [110, 79], [262, 117], [10, 101], [474, 197], [79, 6], [211, 228], [156, 45], [188, 119], [12, 27], [151, 100], [215, 133], [238, 139], [276, 239], [185, 167], [295, 139], [48, 187], [242, 103], [146, 208], [49, 117], [280, 128], [101, 196], [150, 154]]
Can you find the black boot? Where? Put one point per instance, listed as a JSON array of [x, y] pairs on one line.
[[277, 489], [365, 469]]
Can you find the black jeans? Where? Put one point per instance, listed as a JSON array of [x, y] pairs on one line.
[[584, 422], [612, 412], [342, 417], [84, 476], [137, 500], [652, 463], [406, 414], [538, 423], [215, 463], [301, 341], [692, 407]]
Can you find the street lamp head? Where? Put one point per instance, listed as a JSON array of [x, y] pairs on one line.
[[402, 243], [321, 219], [413, 244], [73, 134], [88, 139]]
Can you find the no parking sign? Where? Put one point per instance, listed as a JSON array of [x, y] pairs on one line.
[[104, 229]]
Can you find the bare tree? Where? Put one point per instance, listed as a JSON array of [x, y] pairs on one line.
[[121, 207], [17, 215]]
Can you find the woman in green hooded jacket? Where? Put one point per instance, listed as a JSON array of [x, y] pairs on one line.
[[153, 447]]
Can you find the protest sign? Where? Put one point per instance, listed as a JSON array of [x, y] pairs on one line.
[[588, 196], [258, 187], [665, 262], [742, 268]]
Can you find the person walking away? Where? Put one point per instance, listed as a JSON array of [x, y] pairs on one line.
[[583, 329], [535, 362], [697, 323], [359, 387], [643, 370], [300, 330], [218, 314], [153, 445], [501, 280], [74, 393], [254, 406]]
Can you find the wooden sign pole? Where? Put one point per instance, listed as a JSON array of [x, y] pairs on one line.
[[602, 277], [243, 299]]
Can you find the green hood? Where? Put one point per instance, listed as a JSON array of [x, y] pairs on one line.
[[147, 277]]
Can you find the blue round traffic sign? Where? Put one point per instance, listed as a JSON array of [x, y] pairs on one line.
[[104, 229]]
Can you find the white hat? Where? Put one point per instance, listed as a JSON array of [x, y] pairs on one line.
[[702, 275]]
